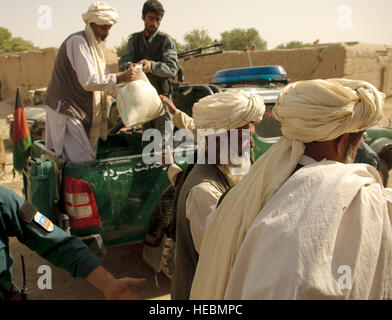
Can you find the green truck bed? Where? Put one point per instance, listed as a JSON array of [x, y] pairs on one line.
[[125, 191]]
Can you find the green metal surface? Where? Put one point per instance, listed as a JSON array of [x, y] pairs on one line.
[[262, 145], [126, 191], [375, 133], [39, 183]]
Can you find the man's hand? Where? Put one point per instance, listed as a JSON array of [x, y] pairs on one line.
[[167, 102], [112, 288], [128, 75], [122, 289], [146, 65], [125, 129]]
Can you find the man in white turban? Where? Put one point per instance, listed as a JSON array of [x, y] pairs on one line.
[[76, 99], [305, 223], [232, 110]]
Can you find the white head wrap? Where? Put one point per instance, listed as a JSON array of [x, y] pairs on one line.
[[99, 13], [315, 110], [227, 110], [224, 111], [321, 110]]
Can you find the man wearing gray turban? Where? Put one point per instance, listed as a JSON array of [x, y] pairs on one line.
[[305, 223], [233, 111], [76, 99]]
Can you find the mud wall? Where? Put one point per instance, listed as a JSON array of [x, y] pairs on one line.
[[353, 60], [26, 70], [300, 64], [32, 70], [370, 62]]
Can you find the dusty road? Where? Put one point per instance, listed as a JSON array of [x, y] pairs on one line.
[[124, 261]]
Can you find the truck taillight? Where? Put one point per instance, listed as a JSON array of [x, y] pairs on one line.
[[79, 203]]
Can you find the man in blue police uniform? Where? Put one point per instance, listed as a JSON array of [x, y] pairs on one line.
[[19, 218], [157, 52]]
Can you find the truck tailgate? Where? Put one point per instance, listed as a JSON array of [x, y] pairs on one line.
[[126, 191]]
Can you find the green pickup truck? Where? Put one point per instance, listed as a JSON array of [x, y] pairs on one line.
[[117, 199]]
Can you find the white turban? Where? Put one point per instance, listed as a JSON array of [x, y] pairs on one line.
[[100, 13], [315, 110], [321, 110], [227, 110]]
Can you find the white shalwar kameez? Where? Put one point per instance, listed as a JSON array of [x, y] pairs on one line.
[[64, 134], [201, 201]]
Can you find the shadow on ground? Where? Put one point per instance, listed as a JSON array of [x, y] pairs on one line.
[[124, 261]]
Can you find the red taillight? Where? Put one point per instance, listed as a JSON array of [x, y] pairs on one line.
[[79, 203]]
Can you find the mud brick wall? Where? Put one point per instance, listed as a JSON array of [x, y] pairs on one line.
[[32, 70], [353, 60], [361, 61]]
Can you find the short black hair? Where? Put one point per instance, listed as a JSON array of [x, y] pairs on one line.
[[153, 6]]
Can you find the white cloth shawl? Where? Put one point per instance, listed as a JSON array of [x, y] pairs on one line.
[[99, 13], [306, 245]]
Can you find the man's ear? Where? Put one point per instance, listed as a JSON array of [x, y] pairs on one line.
[[93, 27], [341, 145], [144, 18]]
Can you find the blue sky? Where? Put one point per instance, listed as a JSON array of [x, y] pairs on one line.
[[278, 21]]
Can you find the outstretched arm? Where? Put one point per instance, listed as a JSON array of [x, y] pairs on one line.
[[67, 252], [180, 119], [112, 288], [81, 60]]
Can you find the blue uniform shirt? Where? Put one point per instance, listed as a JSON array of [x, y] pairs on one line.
[[57, 247]]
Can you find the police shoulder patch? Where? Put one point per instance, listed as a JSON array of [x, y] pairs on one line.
[[43, 222]]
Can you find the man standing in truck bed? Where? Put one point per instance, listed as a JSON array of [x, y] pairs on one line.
[[76, 99], [157, 52]]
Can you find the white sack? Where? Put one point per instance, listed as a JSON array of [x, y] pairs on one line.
[[138, 102]]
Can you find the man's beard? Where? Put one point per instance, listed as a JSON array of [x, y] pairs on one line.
[[234, 166], [226, 169], [150, 30], [349, 158], [101, 42], [235, 172]]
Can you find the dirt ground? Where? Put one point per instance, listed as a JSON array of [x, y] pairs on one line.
[[123, 261]]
